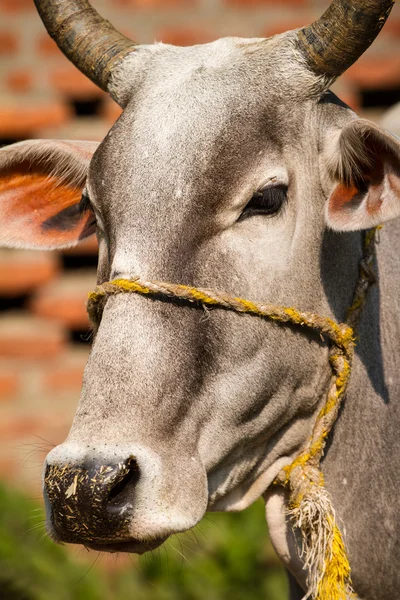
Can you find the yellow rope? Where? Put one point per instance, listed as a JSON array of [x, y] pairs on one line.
[[310, 507]]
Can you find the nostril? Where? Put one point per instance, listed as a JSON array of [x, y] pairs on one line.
[[91, 500], [125, 483]]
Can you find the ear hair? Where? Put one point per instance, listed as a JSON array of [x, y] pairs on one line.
[[350, 156], [41, 183], [364, 166], [356, 151], [56, 159]]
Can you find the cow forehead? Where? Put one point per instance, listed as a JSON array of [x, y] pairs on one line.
[[200, 91], [198, 117], [261, 59]]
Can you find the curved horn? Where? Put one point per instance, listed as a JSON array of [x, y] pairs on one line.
[[343, 33], [90, 42]]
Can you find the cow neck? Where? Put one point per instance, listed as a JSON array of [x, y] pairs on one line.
[[309, 506]]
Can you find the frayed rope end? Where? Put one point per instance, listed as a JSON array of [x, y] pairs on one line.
[[336, 581], [322, 548]]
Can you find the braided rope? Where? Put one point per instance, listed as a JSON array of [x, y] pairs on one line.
[[310, 506]]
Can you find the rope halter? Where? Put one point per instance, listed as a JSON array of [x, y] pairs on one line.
[[310, 507]]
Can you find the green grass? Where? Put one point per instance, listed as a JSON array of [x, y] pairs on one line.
[[226, 556]]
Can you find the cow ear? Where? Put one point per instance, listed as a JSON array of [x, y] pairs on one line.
[[364, 162], [41, 183]]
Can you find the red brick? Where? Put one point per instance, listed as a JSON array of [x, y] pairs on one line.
[[392, 28], [23, 120], [15, 6], [47, 47], [184, 36], [20, 81], [110, 111], [23, 270], [348, 93], [8, 43], [72, 83], [64, 299], [287, 25], [375, 72], [167, 4], [351, 98], [66, 373], [246, 4], [17, 426], [22, 336], [9, 384], [78, 128], [64, 379], [55, 428]]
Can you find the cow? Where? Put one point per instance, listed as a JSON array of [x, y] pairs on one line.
[[232, 167]]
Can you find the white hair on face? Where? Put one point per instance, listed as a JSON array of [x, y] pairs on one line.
[[163, 61]]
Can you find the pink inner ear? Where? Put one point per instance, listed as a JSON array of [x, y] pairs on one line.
[[349, 196], [341, 195], [374, 199], [41, 211], [394, 182]]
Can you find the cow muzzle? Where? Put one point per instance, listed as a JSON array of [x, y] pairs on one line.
[[98, 502], [92, 503]]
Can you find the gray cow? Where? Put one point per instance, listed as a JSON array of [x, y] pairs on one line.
[[234, 168]]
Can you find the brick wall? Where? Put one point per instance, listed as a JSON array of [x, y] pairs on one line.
[[42, 321], [41, 93], [44, 345]]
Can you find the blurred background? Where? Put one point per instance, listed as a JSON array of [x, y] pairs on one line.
[[44, 341]]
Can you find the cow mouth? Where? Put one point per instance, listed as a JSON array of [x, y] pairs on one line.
[[127, 546]]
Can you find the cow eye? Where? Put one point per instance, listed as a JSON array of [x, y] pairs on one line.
[[267, 201]]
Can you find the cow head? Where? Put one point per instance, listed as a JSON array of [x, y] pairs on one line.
[[227, 168]]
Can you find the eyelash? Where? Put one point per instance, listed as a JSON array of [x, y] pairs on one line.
[[268, 201]]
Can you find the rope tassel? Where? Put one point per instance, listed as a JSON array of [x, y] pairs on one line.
[[322, 548]]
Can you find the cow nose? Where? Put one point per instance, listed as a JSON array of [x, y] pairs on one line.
[[91, 503]]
